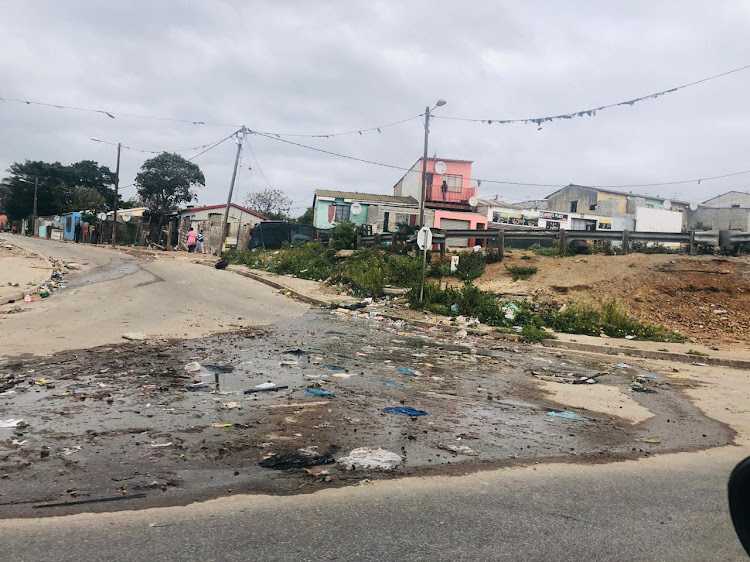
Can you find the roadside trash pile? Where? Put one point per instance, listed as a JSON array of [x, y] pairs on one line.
[[57, 280]]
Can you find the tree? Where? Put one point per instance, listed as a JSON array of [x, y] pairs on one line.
[[57, 187], [165, 181], [307, 217], [271, 203], [88, 199]]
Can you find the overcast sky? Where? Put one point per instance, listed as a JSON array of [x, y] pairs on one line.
[[305, 67]]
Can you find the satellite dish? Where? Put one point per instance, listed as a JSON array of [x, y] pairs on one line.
[[473, 201], [127, 217], [693, 206], [101, 216], [56, 218], [667, 204], [355, 209], [440, 167]]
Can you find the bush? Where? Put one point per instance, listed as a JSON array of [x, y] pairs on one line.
[[548, 251], [521, 271], [344, 236], [533, 334], [470, 266]]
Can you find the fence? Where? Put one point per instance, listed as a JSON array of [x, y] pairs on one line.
[[497, 238]]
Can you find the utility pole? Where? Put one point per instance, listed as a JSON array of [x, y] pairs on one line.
[[424, 166], [33, 216], [441, 102], [224, 222], [117, 187]]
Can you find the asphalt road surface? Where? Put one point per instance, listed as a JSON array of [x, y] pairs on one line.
[[116, 292], [670, 508]]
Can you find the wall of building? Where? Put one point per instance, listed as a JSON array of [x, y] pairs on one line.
[[657, 220], [410, 185], [376, 216], [729, 199], [716, 218], [562, 200], [324, 218]]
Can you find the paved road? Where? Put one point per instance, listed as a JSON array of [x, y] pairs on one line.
[[117, 292], [671, 508]]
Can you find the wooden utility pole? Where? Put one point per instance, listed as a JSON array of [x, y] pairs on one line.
[[240, 137]]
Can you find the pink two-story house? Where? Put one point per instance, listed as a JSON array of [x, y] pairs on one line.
[[448, 192]]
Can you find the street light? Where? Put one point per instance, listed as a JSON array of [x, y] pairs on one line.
[[441, 102], [117, 186], [33, 216]]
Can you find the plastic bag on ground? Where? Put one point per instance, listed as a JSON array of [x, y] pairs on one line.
[[370, 459]]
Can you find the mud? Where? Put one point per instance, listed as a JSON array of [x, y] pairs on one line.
[[130, 420]]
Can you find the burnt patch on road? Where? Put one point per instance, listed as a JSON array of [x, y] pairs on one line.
[[296, 406]]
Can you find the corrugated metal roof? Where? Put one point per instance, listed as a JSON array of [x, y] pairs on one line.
[[373, 197]]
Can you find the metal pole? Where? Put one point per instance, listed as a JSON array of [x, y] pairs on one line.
[[424, 166], [231, 189], [117, 188], [33, 216], [424, 266]]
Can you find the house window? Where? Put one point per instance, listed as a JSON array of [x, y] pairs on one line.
[[453, 182], [592, 207], [649, 205], [574, 206], [402, 219], [342, 213]]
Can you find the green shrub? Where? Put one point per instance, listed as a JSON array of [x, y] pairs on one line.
[[470, 266], [697, 353], [548, 251], [521, 271], [526, 257], [344, 236], [491, 256], [439, 270], [533, 334]]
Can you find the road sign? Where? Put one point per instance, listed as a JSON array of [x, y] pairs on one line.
[[424, 238]]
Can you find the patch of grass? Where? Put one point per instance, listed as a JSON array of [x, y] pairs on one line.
[[521, 271], [609, 318], [533, 334], [548, 251], [697, 353], [526, 257]]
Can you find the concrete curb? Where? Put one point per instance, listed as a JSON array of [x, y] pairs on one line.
[[648, 354], [239, 270]]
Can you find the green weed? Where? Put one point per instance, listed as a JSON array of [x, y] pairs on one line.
[[521, 271]]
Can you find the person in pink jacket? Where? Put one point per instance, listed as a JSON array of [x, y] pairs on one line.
[[191, 243]]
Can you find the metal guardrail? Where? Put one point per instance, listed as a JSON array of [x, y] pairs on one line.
[[562, 237]]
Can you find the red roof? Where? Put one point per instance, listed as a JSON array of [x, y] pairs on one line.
[[235, 205]]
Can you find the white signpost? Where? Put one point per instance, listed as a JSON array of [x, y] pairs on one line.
[[424, 241]]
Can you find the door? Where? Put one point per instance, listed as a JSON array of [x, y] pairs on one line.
[[454, 224]]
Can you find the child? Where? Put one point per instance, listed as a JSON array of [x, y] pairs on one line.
[[201, 249]]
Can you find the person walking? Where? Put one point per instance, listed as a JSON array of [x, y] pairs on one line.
[[191, 239], [199, 238]]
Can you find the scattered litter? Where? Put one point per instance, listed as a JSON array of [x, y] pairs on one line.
[[197, 387], [404, 411], [192, 367], [218, 367], [158, 445], [342, 375], [677, 377], [462, 334], [73, 265], [638, 387], [217, 424], [135, 336], [10, 422], [265, 385], [370, 459], [231, 405], [287, 363], [28, 298], [654, 439], [395, 384], [360, 354], [298, 460], [629, 337], [458, 449], [273, 388], [623, 366], [566, 415], [319, 392], [333, 367], [406, 371], [318, 470]]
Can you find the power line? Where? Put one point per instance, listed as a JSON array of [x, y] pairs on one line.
[[258, 165], [353, 132], [225, 139], [591, 112], [504, 182], [163, 151]]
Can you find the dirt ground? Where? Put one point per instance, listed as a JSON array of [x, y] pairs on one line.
[[704, 297], [131, 420]]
